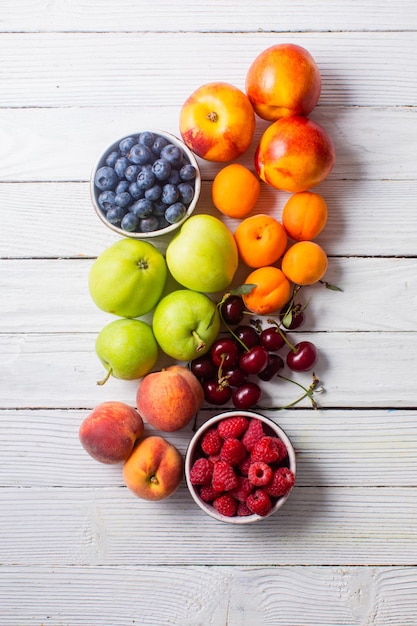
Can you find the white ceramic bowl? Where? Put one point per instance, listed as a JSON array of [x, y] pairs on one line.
[[95, 191], [194, 452]]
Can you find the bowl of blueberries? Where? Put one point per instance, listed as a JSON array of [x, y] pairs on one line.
[[145, 184]]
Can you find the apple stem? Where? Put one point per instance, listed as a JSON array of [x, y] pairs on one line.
[[200, 343], [106, 378]]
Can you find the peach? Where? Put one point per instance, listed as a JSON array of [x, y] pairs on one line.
[[294, 154], [283, 80], [154, 470], [217, 122], [110, 431], [169, 399]]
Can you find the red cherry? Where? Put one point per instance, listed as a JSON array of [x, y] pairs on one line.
[[303, 358], [275, 364], [225, 352], [215, 393], [254, 360], [246, 396]]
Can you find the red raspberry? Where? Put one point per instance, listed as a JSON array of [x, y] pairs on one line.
[[244, 465], [259, 502], [253, 433], [242, 510], [281, 483], [224, 477], [233, 451], [214, 458], [269, 450], [201, 472], [208, 494], [233, 427], [211, 442], [226, 505], [259, 473], [243, 489]]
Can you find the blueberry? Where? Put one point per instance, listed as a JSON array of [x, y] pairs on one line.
[[112, 158], [142, 208], [120, 166], [140, 154], [162, 169], [163, 223], [145, 179], [147, 138], [135, 192], [170, 194], [121, 186], [174, 177], [159, 208], [123, 199], [172, 153], [149, 224], [106, 200], [126, 144], [153, 193], [188, 172], [115, 215], [175, 212], [129, 222], [106, 178], [158, 144], [131, 172], [186, 192]]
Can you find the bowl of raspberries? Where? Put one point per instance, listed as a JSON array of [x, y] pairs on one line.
[[145, 184], [240, 467]]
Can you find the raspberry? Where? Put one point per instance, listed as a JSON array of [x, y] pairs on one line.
[[243, 489], [233, 427], [226, 505], [224, 477], [211, 442], [242, 510], [253, 433], [244, 465], [201, 472], [269, 450], [233, 451], [281, 483], [259, 502], [259, 473], [208, 494]]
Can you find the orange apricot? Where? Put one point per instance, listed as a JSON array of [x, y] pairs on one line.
[[304, 263], [261, 240], [271, 291], [235, 190], [304, 215]]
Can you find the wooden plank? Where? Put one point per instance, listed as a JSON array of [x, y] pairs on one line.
[[74, 69], [328, 525], [63, 283], [209, 596], [356, 209], [60, 370], [334, 448], [162, 15], [63, 144]]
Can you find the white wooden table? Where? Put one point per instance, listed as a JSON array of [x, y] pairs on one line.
[[75, 546]]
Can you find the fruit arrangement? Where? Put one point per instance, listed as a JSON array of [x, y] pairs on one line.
[[240, 465], [227, 345], [145, 183]]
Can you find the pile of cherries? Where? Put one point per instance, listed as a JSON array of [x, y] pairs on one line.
[[248, 354]]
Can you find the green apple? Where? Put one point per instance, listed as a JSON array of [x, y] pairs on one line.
[[203, 255], [127, 348], [185, 324], [128, 278]]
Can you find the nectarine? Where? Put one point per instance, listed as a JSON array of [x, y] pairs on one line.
[[169, 399], [110, 431], [154, 470], [283, 80]]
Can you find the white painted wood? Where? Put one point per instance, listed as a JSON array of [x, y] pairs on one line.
[[76, 548]]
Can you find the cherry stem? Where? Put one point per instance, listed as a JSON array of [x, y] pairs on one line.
[[308, 393], [244, 346], [283, 335]]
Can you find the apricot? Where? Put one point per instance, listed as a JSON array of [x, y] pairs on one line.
[[294, 154], [169, 399], [283, 80], [110, 431], [154, 470]]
